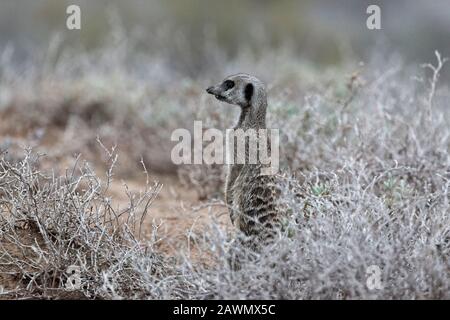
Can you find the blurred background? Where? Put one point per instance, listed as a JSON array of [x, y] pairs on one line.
[[137, 69], [323, 32]]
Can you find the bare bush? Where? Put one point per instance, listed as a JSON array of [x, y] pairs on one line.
[[52, 226]]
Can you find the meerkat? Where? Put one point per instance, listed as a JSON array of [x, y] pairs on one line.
[[251, 197]]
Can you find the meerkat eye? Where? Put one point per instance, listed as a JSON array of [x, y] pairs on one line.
[[248, 92], [228, 84]]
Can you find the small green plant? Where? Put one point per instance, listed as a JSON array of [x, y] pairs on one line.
[[319, 189]]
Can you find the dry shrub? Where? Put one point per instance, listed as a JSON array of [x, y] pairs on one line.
[[50, 224]]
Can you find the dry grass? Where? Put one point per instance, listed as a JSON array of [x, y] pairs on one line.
[[370, 149]]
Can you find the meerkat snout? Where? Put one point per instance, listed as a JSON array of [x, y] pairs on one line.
[[236, 89], [221, 90]]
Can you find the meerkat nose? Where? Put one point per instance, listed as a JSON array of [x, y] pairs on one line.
[[210, 90]]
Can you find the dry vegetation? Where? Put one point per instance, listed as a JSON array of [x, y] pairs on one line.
[[368, 143]]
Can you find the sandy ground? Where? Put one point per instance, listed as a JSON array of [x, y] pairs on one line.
[[176, 211]]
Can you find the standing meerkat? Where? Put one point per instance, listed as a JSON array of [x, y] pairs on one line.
[[251, 197]]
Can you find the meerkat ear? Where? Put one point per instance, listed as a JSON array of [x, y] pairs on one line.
[[248, 92]]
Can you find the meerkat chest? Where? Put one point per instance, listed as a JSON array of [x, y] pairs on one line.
[[240, 185]]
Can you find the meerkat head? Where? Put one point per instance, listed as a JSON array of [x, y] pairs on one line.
[[240, 89]]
